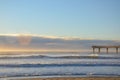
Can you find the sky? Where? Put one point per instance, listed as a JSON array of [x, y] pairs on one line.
[[82, 19]]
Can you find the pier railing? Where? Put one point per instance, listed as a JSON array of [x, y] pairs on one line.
[[107, 48]]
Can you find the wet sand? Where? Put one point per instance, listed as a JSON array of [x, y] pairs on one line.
[[83, 78]]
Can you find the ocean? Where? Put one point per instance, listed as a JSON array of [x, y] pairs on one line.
[[58, 64]]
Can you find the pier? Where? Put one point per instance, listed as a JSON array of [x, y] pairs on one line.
[[107, 48]]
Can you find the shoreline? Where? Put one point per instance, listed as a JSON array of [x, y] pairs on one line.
[[64, 78], [73, 78]]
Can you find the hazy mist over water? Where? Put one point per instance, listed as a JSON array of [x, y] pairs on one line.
[[46, 43]]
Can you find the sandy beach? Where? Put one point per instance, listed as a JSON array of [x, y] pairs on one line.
[[83, 78]]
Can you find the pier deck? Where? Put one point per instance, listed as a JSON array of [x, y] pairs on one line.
[[107, 47]]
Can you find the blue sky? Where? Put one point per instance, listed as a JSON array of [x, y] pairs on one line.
[[97, 19]]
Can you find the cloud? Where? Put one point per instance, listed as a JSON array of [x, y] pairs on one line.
[[36, 42]]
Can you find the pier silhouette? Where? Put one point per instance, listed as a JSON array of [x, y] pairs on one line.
[[107, 48]]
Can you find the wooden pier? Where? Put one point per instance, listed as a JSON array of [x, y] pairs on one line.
[[107, 48]]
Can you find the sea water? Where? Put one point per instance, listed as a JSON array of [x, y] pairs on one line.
[[43, 65]]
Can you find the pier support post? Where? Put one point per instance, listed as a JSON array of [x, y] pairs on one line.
[[93, 50], [116, 50], [107, 50], [99, 50]]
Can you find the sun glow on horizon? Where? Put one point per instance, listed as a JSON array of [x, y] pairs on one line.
[[4, 49], [40, 50]]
